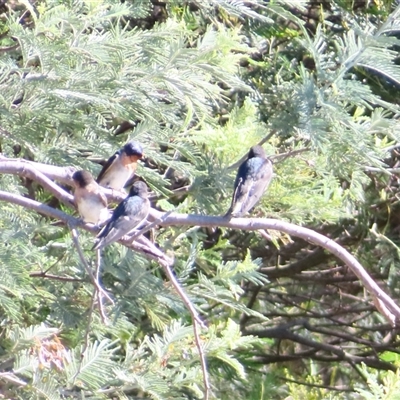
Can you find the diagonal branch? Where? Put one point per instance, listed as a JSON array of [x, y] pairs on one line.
[[45, 174], [26, 169], [60, 174], [384, 303], [340, 354], [153, 253]]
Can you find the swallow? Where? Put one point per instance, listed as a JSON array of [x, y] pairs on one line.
[[91, 202], [253, 177], [127, 216], [121, 166]]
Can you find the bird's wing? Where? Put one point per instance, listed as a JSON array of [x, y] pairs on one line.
[[106, 229], [120, 228], [253, 178], [129, 214], [106, 166], [95, 191], [257, 185], [241, 187], [236, 203], [240, 196]]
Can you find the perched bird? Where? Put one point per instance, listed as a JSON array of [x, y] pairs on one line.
[[91, 202], [127, 216], [252, 179], [121, 166]]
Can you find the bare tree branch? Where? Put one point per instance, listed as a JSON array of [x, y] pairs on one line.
[[43, 274], [8, 376], [142, 245], [60, 174], [282, 332], [44, 175], [96, 283], [39, 208], [27, 170], [391, 309], [383, 302]]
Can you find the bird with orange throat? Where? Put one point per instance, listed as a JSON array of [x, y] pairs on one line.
[[121, 167]]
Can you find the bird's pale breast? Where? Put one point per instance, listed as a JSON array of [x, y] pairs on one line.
[[92, 209]]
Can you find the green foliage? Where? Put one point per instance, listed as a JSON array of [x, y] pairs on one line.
[[105, 77], [387, 390], [313, 388], [328, 107], [162, 366]]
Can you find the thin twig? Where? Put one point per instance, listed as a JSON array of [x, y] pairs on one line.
[[197, 322], [167, 268], [8, 376], [166, 263], [148, 227], [314, 385], [98, 291], [42, 274], [174, 193], [75, 238], [203, 361], [87, 332], [9, 48], [236, 164], [265, 235], [53, 265], [176, 156], [99, 294], [277, 158]]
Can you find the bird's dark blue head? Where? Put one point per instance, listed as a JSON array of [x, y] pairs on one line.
[[82, 178], [139, 188], [133, 148], [256, 151]]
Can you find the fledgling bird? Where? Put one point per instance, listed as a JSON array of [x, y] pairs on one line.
[[121, 166], [127, 216], [252, 179], [91, 202]]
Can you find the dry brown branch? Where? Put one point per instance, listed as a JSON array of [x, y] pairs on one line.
[[339, 354]]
